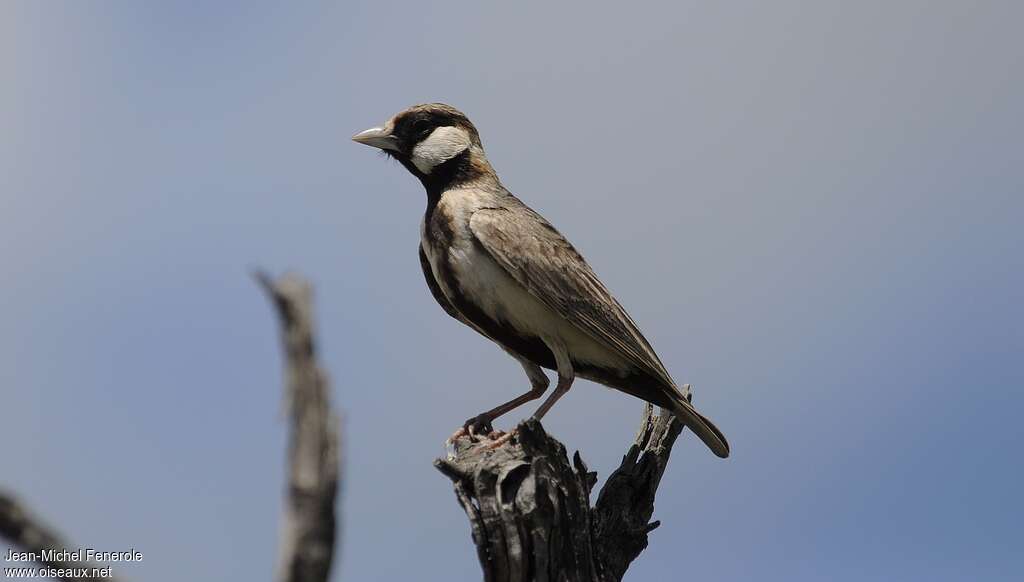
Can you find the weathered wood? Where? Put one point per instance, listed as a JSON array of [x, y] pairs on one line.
[[30, 534], [529, 508], [309, 525]]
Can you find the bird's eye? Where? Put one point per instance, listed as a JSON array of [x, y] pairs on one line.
[[420, 126]]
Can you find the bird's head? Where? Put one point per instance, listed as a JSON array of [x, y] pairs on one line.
[[434, 141]]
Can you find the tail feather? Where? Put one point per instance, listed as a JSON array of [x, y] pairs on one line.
[[702, 427], [669, 397]]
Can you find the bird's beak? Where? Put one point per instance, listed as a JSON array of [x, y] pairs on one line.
[[377, 137]]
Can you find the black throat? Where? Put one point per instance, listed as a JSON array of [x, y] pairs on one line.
[[445, 176]]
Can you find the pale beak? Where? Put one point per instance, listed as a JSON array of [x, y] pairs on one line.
[[377, 137]]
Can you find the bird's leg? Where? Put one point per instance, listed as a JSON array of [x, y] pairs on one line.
[[564, 383], [566, 375], [481, 423]]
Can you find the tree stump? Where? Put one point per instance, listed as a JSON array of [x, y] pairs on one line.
[[529, 508]]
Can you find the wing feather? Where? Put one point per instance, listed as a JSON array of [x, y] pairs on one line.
[[536, 255]]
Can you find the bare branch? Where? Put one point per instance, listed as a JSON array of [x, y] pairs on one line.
[[622, 514], [309, 528], [529, 509], [27, 532]]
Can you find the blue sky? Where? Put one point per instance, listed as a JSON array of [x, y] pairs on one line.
[[812, 210]]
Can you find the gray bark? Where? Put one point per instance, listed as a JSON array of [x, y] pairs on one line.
[[308, 530], [529, 508], [26, 531], [309, 526]]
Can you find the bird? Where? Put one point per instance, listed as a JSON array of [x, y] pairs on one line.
[[499, 267]]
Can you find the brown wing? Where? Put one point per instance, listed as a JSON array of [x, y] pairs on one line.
[[540, 259]]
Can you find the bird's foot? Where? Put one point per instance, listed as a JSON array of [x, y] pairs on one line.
[[493, 440], [456, 435], [473, 428], [479, 425], [498, 438]]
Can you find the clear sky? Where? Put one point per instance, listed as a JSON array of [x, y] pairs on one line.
[[812, 209]]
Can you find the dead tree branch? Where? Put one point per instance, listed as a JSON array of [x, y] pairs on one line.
[[309, 527], [529, 509], [30, 534]]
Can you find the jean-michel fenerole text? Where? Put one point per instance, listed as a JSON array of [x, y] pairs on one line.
[[77, 555]]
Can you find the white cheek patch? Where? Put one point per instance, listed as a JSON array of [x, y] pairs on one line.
[[443, 144]]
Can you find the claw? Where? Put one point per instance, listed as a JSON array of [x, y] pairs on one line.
[[456, 436], [478, 425], [475, 428], [504, 438]]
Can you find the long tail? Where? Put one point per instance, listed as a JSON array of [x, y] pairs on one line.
[[701, 426]]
